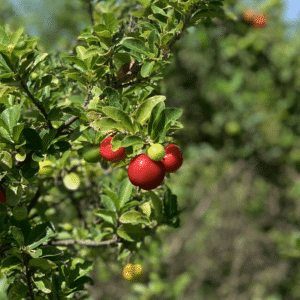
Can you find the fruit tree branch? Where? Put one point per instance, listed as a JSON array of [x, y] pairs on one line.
[[75, 118], [35, 101], [88, 243]]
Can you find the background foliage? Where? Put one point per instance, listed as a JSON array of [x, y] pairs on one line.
[[239, 185]]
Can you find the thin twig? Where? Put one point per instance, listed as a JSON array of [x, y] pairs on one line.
[[35, 101], [88, 243], [91, 12]]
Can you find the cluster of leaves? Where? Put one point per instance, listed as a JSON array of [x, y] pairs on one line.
[[43, 116]]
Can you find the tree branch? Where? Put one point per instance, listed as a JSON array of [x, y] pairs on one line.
[[28, 276], [34, 200], [35, 101], [75, 118], [91, 12], [88, 243]]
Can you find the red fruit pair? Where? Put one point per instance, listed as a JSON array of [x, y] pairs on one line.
[[149, 174], [257, 20], [108, 154]]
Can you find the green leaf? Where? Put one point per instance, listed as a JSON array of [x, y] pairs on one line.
[[42, 263], [17, 130], [17, 235], [106, 124], [34, 142], [156, 202], [129, 205], [19, 290], [16, 36], [110, 21], [112, 96], [80, 271], [171, 115], [125, 191], [50, 251], [132, 140], [134, 217], [120, 59], [11, 116], [28, 171], [39, 58], [158, 126], [47, 80], [4, 123], [11, 263], [5, 137], [170, 206], [131, 232], [40, 234], [5, 160], [147, 68], [111, 202], [7, 61], [78, 284], [135, 45], [48, 138], [43, 284], [158, 18], [80, 50], [145, 3], [107, 215], [76, 61], [158, 10], [4, 38], [119, 116], [76, 76], [155, 114], [142, 114], [152, 39]]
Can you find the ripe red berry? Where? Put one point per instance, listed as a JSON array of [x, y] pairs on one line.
[[146, 173], [108, 154], [2, 197], [173, 158], [259, 21]]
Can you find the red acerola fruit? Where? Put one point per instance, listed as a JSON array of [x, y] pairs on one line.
[[146, 173], [173, 158], [108, 154], [259, 21], [2, 197]]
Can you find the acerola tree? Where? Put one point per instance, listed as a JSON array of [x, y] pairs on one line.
[[52, 109]]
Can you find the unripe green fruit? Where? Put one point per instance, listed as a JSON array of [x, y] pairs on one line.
[[34, 75], [233, 128], [91, 154], [71, 181], [156, 152], [20, 213]]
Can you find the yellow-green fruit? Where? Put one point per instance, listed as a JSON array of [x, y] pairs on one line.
[[20, 213], [91, 154], [137, 272], [71, 181], [132, 273], [233, 128], [45, 168], [34, 75], [156, 152], [128, 272]]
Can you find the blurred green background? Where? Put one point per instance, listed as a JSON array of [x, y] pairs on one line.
[[239, 185]]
